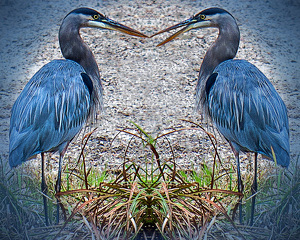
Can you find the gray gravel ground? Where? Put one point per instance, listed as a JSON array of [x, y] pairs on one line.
[[151, 86]]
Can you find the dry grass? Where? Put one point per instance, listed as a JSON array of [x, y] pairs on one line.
[[279, 203], [180, 203], [149, 196]]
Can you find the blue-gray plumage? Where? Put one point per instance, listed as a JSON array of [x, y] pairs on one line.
[[50, 111], [237, 97], [248, 111], [61, 97]]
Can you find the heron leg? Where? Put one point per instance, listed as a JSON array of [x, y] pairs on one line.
[[58, 181], [58, 185], [254, 189], [44, 190], [239, 186]]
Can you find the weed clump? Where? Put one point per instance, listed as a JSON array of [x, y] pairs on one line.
[[149, 191]]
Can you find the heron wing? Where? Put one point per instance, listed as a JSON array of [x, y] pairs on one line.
[[49, 112], [248, 111]]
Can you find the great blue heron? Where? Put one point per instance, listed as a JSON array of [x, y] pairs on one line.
[[237, 97], [61, 97]]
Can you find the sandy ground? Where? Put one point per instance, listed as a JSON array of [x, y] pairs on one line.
[[153, 87]]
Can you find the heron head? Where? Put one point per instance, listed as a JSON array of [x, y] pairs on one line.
[[210, 17], [88, 17]]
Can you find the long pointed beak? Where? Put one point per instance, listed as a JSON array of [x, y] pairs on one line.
[[183, 30], [178, 25], [187, 24], [113, 25]]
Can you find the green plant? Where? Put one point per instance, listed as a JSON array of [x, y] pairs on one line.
[[19, 205], [279, 203], [151, 191]]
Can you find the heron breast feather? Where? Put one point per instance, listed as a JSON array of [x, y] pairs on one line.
[[51, 109], [246, 108]]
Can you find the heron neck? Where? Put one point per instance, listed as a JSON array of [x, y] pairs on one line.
[[74, 48], [224, 48]]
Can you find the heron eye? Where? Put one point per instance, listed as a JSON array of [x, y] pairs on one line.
[[202, 17], [96, 17]]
